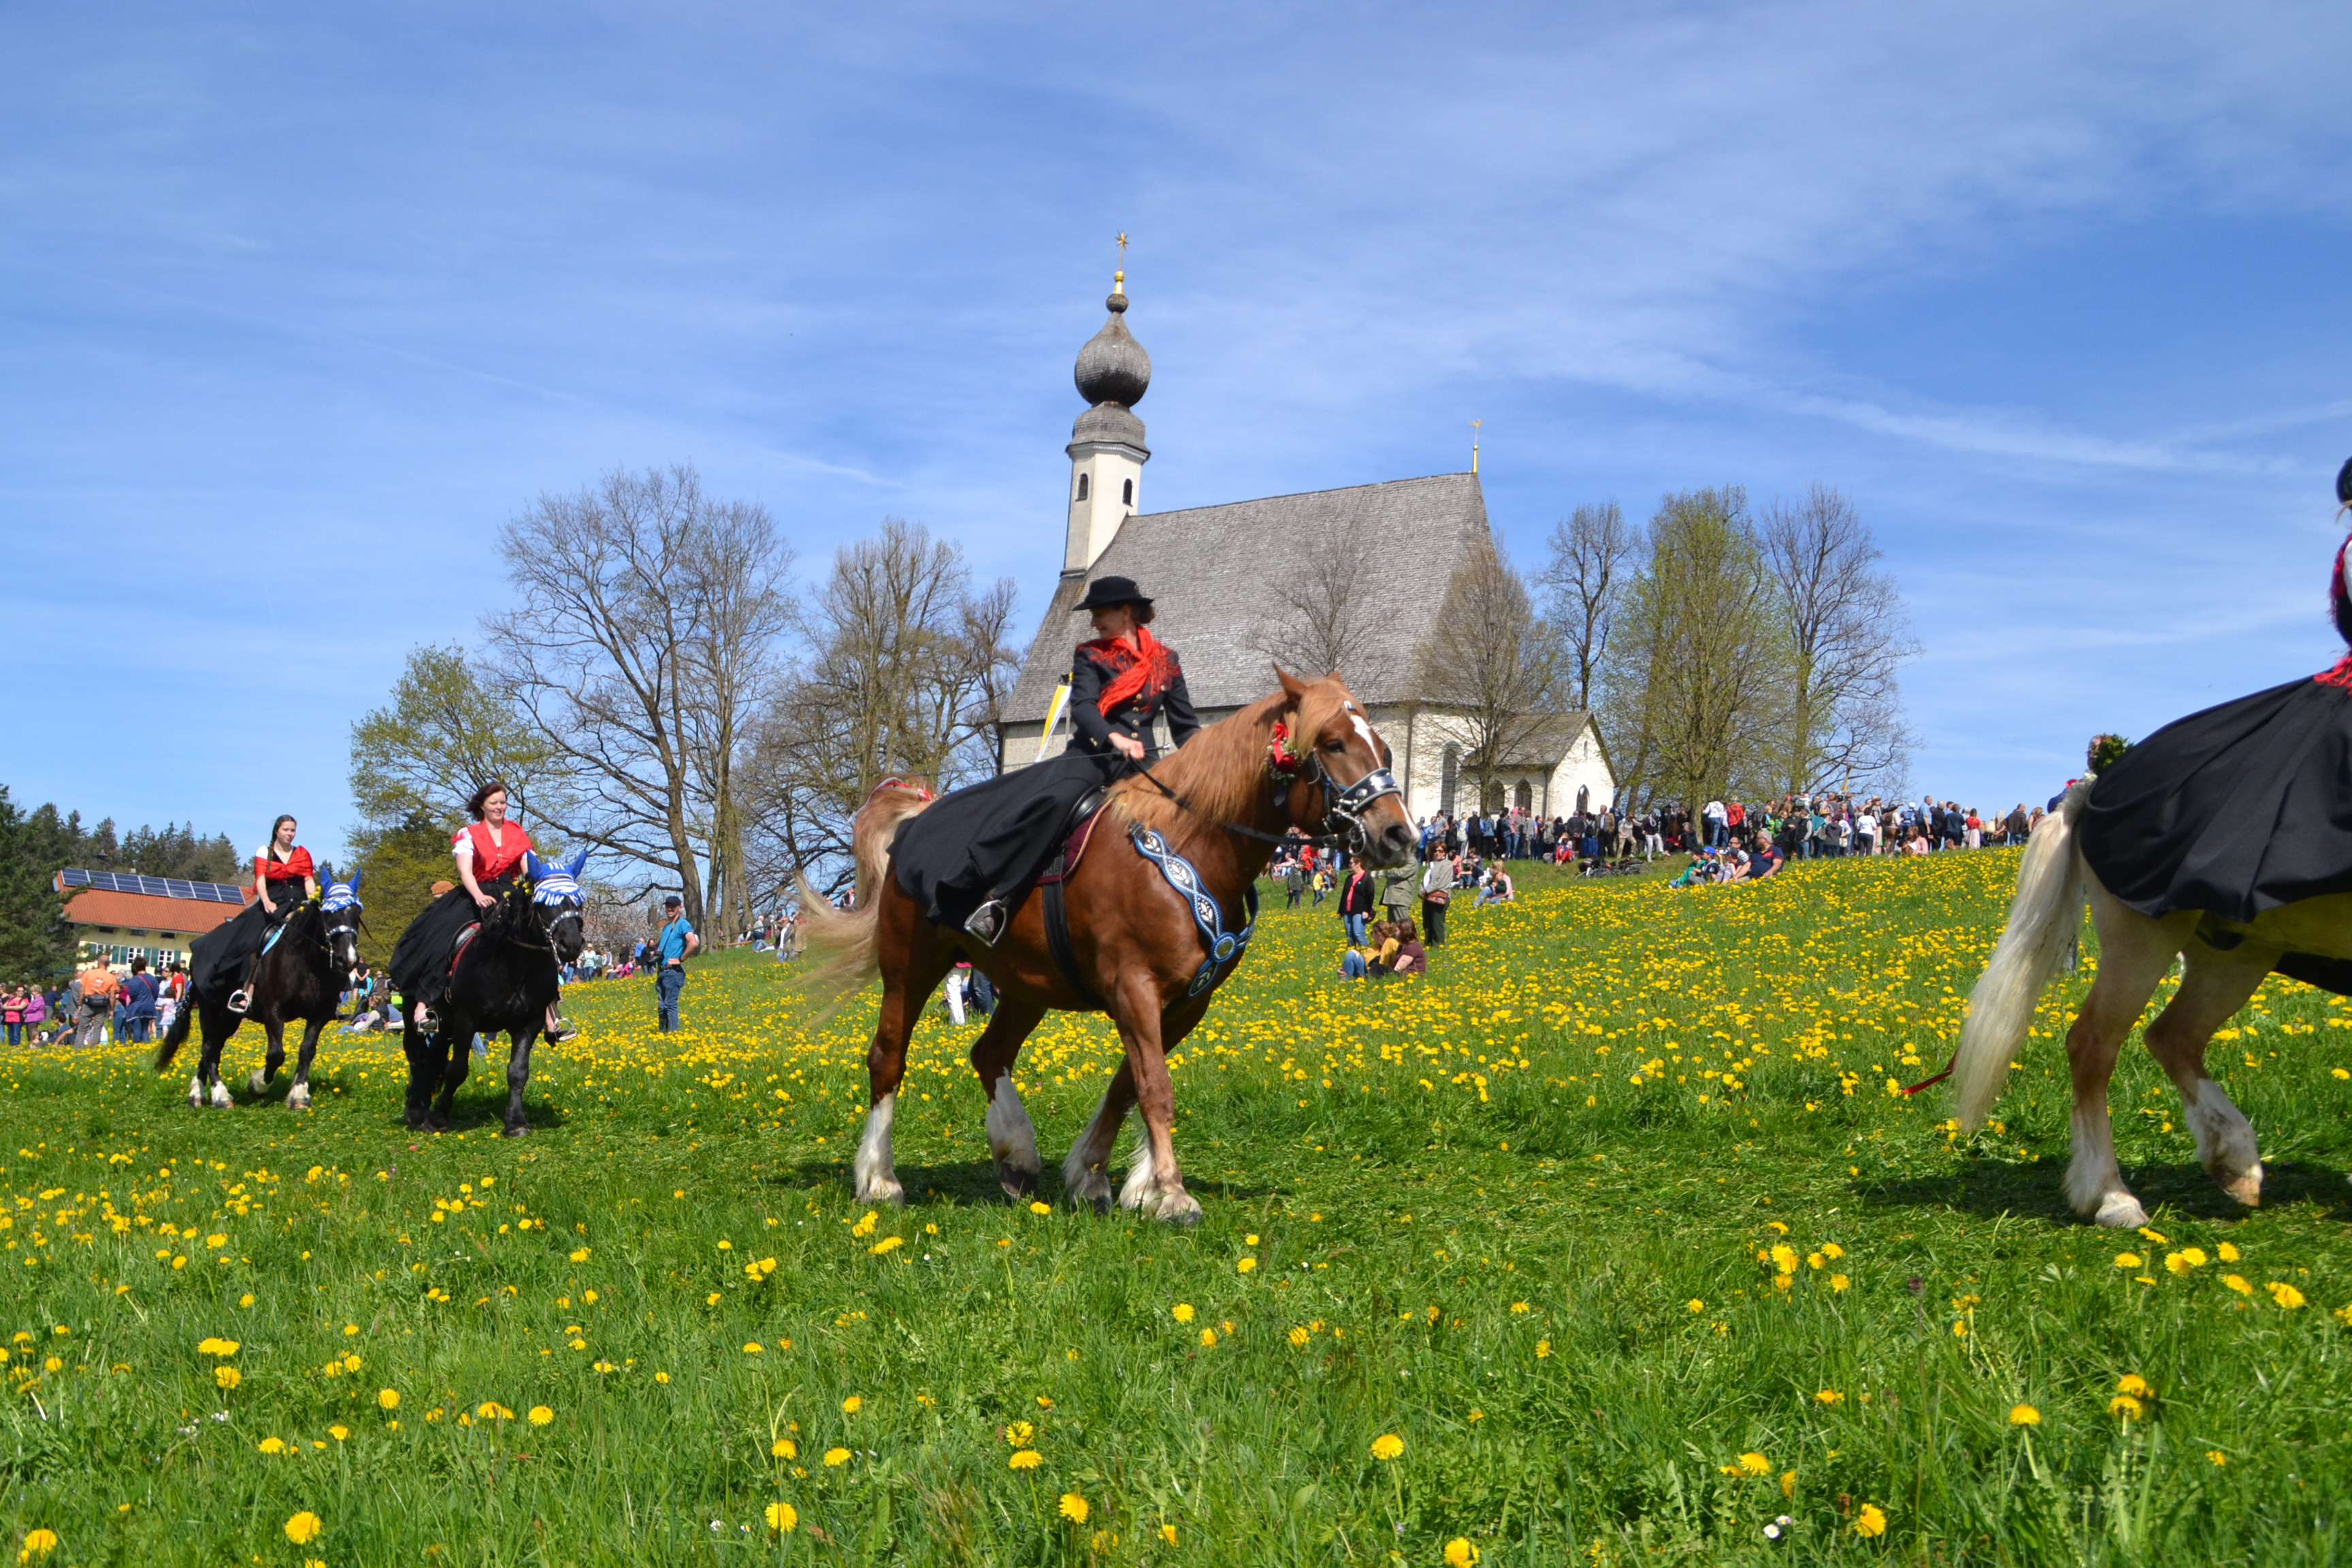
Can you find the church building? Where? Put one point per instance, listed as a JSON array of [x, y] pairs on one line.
[[1217, 573]]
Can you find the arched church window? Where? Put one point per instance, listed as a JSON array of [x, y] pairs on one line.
[[1523, 798], [1449, 776], [1082, 487], [1127, 493]]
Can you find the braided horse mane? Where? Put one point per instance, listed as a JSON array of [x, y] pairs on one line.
[[1221, 770]]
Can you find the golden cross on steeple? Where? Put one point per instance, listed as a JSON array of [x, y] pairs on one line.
[[1119, 278], [1473, 444]]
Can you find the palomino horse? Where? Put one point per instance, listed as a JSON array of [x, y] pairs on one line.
[[2222, 962], [501, 978], [1191, 837], [302, 973]]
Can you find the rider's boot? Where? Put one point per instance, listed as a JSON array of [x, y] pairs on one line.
[[242, 997]]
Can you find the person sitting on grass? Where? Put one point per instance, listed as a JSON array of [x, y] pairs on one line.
[[1401, 950]]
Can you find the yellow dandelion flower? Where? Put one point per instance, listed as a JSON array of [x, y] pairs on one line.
[[2125, 1405], [2237, 1282], [752, 1347], [2133, 1383], [541, 1416], [338, 1433], [2024, 1415], [1182, 1311], [886, 1245], [1543, 1350], [835, 1457], [227, 1376], [2128, 1260], [1387, 1445], [1460, 1554], [2227, 1253], [271, 1446], [1838, 1282], [1871, 1521], [1168, 1533], [1208, 1336], [2285, 1295], [782, 1518], [1073, 1507], [852, 1405], [2219, 1458], [1830, 1396], [387, 1399], [304, 1528], [1037, 1208], [1518, 1306], [1019, 1433], [1246, 1265], [37, 1543], [1697, 1305], [1755, 1464], [1298, 1336], [1025, 1459]]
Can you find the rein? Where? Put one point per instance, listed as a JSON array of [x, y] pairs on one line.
[[1285, 766]]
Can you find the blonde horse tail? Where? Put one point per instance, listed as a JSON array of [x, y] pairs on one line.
[[2044, 916], [839, 953]]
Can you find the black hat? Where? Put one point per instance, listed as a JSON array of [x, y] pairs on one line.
[[1105, 591], [672, 902], [2344, 482]]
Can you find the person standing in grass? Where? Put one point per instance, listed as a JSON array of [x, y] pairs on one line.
[[673, 945]]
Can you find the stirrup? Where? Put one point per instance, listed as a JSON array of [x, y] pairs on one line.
[[563, 1030], [988, 921], [427, 1019], [239, 1000]]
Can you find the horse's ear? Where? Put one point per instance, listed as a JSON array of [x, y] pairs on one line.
[[573, 869], [354, 883], [531, 868], [326, 873], [1292, 686]]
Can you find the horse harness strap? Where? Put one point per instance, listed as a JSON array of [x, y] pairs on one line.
[[1225, 947], [1057, 941]]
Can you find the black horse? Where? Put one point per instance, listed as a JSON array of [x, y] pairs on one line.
[[502, 979], [302, 975]]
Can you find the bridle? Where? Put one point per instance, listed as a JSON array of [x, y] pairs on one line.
[[1344, 806]]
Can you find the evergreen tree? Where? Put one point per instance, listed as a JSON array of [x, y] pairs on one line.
[[36, 944]]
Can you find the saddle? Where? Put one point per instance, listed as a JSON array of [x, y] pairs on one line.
[[1077, 834]]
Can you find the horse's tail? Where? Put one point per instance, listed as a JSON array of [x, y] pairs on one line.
[[177, 1035], [2045, 915], [838, 952]]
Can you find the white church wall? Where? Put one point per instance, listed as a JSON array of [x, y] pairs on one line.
[[1584, 767]]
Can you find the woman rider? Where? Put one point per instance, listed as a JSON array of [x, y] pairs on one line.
[[489, 852], [968, 858], [283, 878]]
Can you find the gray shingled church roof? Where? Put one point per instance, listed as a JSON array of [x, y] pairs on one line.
[[1210, 571]]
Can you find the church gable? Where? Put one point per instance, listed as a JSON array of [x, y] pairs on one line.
[[1217, 575]]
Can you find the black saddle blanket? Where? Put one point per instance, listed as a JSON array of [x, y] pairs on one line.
[[995, 839]]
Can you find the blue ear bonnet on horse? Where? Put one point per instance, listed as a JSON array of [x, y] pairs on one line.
[[553, 884], [341, 894]]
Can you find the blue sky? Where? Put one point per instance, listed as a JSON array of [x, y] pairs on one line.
[[297, 306]]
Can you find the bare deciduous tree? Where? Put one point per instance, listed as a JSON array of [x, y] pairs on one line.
[[906, 671], [1491, 661], [1321, 627], [1697, 665], [1847, 636], [1583, 581], [636, 594]]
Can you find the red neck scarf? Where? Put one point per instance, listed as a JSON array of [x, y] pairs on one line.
[[1147, 673], [296, 864]]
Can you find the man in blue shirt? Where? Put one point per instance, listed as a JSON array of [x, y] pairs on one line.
[[676, 941]]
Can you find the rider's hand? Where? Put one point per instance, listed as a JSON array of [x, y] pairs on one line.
[[1128, 746], [483, 900], [268, 908]]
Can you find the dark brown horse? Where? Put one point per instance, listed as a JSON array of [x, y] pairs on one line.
[[1302, 758]]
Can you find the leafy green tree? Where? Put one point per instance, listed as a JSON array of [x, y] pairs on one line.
[[36, 944], [445, 732]]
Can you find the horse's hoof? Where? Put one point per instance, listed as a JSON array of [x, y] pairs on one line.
[[255, 1083], [1102, 1205], [1019, 1185], [2120, 1210], [2246, 1187], [1089, 1189], [515, 1130], [881, 1190], [1179, 1207], [221, 1101], [298, 1098]]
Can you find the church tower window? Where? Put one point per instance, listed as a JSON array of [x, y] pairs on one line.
[[1082, 485], [1127, 493]]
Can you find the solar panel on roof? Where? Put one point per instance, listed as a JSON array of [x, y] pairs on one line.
[[153, 887]]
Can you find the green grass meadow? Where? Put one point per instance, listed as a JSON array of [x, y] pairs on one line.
[[1609, 1234]]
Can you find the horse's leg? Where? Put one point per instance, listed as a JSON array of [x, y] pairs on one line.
[[1010, 1140], [299, 1097], [454, 1046], [259, 1080], [915, 958], [1154, 1184], [2213, 985], [518, 1073], [204, 1027], [424, 1068], [1085, 1173], [2134, 953], [208, 1069]]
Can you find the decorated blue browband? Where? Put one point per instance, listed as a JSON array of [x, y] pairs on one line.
[[341, 894], [553, 883]]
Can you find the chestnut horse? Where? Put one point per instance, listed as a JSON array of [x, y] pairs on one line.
[[1302, 758]]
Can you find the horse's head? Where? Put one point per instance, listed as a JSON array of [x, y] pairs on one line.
[[339, 911], [1329, 741], [555, 902]]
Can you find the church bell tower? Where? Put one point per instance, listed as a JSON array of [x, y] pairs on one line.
[[1106, 449]]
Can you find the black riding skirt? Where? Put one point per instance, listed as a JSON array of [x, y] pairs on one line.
[[217, 960], [2235, 810], [995, 839], [420, 960]]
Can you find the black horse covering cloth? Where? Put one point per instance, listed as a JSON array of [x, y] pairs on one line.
[[2234, 810], [993, 839]]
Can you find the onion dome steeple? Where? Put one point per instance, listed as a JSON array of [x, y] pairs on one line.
[[1106, 445]]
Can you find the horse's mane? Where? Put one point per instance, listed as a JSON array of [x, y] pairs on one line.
[[1221, 768]]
